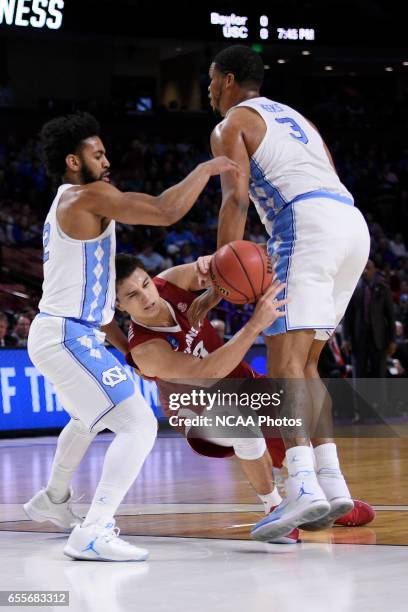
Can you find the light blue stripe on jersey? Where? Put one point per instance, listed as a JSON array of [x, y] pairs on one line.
[[80, 342], [280, 248], [97, 258], [262, 191], [272, 201]]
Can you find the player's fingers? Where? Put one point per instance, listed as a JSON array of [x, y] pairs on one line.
[[203, 264], [274, 289], [280, 303]]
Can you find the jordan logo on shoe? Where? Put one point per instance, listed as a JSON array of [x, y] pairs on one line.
[[302, 492], [295, 459], [91, 547]]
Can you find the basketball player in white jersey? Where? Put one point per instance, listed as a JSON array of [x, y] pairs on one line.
[[320, 243], [76, 312]]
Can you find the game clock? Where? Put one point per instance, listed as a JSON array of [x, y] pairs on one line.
[[258, 27]]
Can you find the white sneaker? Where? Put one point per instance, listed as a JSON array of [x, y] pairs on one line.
[[338, 495], [40, 508], [305, 502], [102, 543]]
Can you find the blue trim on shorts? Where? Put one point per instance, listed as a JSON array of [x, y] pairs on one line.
[[284, 234], [79, 340], [321, 193]]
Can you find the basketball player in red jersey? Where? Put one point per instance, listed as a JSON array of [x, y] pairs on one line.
[[163, 345]]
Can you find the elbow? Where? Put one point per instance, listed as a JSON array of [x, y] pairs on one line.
[[168, 215]]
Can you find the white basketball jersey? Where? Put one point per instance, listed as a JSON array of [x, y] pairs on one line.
[[290, 164], [79, 275]]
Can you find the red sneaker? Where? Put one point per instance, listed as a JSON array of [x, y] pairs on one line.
[[290, 538], [361, 514]]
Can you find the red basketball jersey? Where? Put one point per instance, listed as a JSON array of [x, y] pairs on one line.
[[182, 337], [199, 342]]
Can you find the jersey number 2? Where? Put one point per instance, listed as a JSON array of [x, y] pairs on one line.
[[298, 134], [46, 239]]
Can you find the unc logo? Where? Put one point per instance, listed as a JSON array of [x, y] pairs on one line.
[[113, 376], [182, 306]]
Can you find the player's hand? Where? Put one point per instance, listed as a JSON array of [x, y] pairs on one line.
[[202, 268], [222, 164], [201, 306], [267, 308]]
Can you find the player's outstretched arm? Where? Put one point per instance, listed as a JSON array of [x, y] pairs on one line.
[[156, 358], [106, 201]]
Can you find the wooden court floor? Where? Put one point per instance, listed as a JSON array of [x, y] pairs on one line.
[[181, 494]]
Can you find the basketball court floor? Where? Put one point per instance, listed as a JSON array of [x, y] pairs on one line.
[[194, 515]]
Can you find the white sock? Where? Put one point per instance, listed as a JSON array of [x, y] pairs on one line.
[[270, 500], [326, 457], [136, 429], [73, 442], [299, 459]]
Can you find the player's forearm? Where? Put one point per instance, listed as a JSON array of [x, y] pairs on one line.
[[231, 221], [177, 200], [221, 362], [116, 336]]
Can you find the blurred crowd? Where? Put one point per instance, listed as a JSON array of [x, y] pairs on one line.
[[377, 178]]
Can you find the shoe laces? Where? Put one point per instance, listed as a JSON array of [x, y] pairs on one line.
[[112, 533]]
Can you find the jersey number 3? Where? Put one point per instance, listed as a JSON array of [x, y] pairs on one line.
[[297, 131]]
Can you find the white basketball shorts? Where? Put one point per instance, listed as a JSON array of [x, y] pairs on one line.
[[320, 248], [88, 379]]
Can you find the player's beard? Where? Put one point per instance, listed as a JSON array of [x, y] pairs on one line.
[[87, 176]]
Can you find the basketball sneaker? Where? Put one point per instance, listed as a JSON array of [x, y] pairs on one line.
[[41, 508], [305, 502], [337, 494], [362, 514], [101, 542], [290, 538]]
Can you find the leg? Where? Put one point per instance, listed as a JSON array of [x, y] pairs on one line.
[[54, 502], [322, 404], [135, 427], [287, 359], [73, 442]]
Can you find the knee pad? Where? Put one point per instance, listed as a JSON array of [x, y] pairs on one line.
[[249, 448]]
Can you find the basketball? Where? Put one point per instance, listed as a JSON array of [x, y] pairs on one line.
[[241, 271]]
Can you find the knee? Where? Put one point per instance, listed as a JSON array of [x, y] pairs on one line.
[[80, 429], [292, 368], [133, 416], [249, 448]]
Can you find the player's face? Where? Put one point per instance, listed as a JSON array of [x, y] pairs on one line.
[[138, 296], [94, 163], [216, 89]]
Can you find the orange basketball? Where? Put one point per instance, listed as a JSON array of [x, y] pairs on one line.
[[241, 271]]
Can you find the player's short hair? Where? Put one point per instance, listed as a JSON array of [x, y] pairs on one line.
[[64, 135], [243, 62], [126, 265]]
